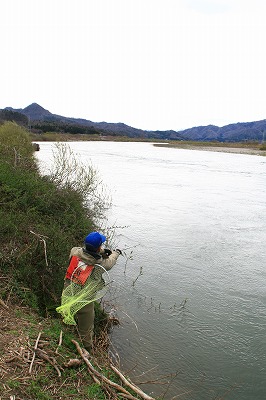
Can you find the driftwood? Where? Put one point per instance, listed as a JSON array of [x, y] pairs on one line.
[[94, 373], [131, 385]]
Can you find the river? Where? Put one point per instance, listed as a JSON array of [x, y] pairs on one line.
[[190, 292]]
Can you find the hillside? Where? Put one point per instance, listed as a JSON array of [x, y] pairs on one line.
[[43, 120]]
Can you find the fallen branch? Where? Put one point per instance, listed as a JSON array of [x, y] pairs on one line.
[[41, 354], [137, 390], [95, 373], [34, 352]]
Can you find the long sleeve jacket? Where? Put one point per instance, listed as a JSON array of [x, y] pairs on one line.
[[93, 259], [96, 258]]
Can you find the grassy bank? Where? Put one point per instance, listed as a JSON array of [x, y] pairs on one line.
[[41, 218]]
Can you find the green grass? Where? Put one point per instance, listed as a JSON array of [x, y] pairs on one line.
[[36, 389], [13, 384], [95, 391]]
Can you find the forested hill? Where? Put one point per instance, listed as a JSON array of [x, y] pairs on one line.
[[42, 120]]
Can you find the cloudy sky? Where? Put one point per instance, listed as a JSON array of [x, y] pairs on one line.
[[152, 64]]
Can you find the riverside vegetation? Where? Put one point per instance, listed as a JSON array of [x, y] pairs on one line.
[[42, 217]]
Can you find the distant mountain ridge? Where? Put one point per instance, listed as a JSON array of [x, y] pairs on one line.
[[241, 131]]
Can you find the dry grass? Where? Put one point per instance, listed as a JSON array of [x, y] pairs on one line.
[[39, 358], [27, 372]]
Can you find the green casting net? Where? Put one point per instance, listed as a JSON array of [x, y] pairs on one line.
[[76, 296]]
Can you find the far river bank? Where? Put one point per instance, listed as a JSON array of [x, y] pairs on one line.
[[228, 148], [251, 148]]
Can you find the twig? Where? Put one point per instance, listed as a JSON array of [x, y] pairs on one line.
[[154, 382], [56, 390], [146, 372], [127, 259], [131, 320], [140, 273], [34, 352], [60, 341], [189, 391], [41, 237], [137, 390]]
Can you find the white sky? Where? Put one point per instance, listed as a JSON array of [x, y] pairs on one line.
[[152, 64]]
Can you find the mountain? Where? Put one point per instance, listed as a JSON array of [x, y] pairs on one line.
[[39, 116], [44, 120]]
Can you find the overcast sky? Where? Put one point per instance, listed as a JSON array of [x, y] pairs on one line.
[[152, 64]]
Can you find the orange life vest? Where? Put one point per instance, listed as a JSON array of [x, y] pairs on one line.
[[78, 272]]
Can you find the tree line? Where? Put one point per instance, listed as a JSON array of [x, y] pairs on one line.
[[54, 125]]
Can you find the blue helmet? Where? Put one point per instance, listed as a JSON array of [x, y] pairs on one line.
[[95, 239]]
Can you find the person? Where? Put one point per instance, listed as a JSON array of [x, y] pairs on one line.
[[92, 253]]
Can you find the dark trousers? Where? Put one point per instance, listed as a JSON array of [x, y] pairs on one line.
[[85, 321]]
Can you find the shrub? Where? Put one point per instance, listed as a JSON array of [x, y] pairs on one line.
[[15, 146], [70, 174]]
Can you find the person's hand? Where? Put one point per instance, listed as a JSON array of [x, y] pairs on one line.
[[118, 251]]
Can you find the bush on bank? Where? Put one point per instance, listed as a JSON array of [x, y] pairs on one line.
[[41, 218]]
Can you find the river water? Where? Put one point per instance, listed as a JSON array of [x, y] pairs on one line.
[[190, 292]]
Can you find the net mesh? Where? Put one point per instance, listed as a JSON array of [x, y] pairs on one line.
[[75, 296]]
